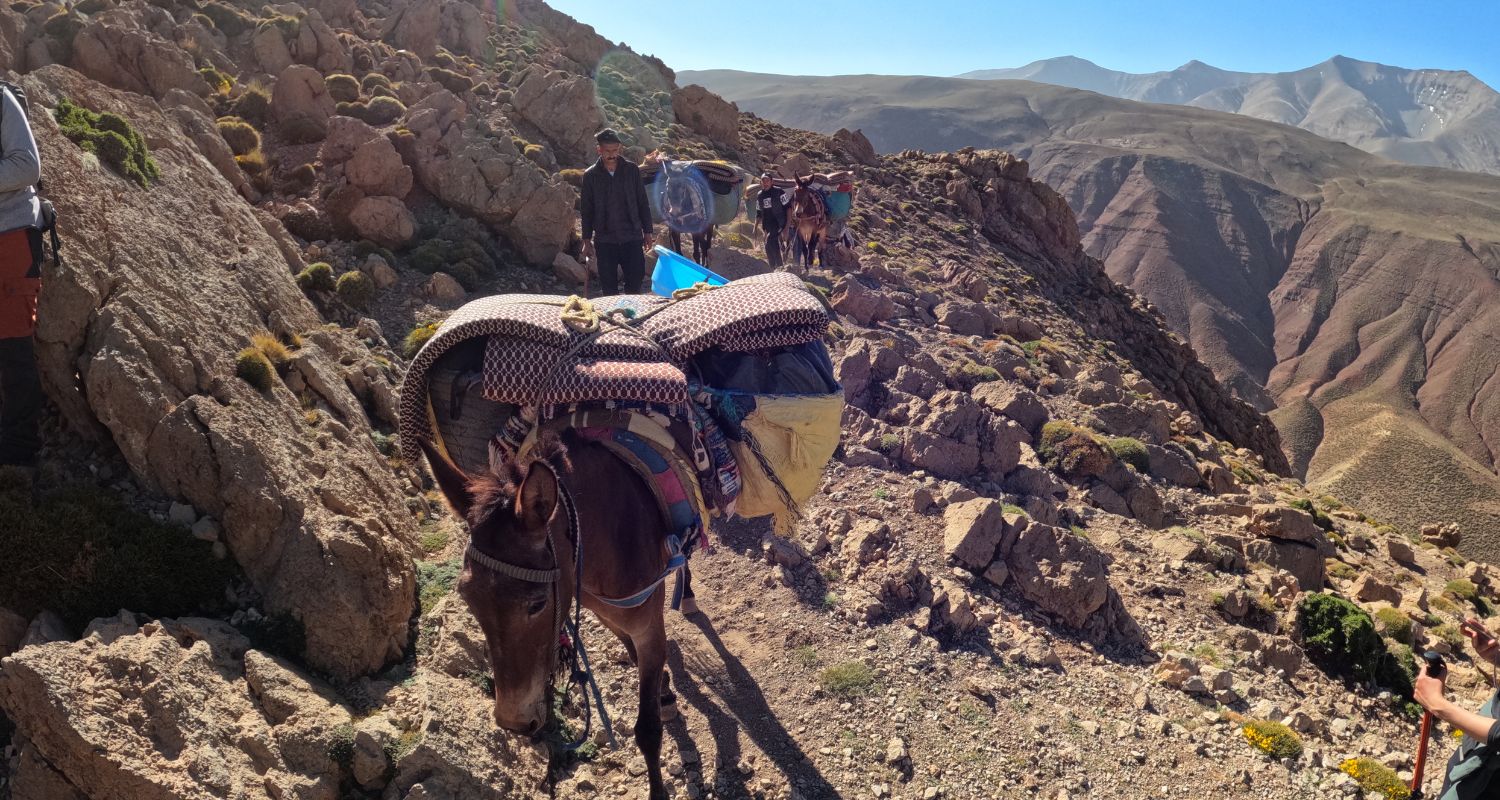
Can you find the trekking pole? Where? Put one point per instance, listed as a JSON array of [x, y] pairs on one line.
[[1437, 669]]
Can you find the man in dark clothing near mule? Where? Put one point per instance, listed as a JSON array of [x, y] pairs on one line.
[[770, 216], [21, 252], [616, 218]]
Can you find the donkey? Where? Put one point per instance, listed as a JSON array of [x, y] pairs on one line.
[[807, 220], [685, 211], [519, 577]]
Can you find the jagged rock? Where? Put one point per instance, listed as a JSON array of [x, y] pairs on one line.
[[48, 627], [301, 101], [946, 440], [1145, 504], [866, 542], [1172, 465], [966, 318], [568, 270], [151, 369], [265, 735], [1443, 534], [1400, 551], [116, 49], [199, 127], [384, 220], [318, 46], [972, 532], [382, 273], [1287, 524], [443, 288], [867, 306], [1117, 419], [708, 114], [857, 146], [953, 607], [485, 176], [1062, 573], [564, 109], [270, 49], [345, 136], [376, 168], [1369, 589], [1218, 479], [1303, 561]]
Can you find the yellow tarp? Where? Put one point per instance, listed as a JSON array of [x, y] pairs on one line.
[[797, 435]]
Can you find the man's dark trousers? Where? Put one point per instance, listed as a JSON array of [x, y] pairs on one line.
[[20, 402], [614, 259], [773, 247]]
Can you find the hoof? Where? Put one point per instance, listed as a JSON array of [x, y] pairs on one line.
[[689, 606]]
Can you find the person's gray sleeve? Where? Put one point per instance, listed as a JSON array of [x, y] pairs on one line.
[[20, 165]]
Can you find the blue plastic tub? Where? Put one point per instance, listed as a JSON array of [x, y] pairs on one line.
[[675, 272]]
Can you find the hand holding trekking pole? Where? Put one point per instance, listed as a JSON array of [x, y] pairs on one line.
[[1429, 692]]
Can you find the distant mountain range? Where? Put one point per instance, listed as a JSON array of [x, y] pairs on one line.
[[1429, 117], [1356, 296]]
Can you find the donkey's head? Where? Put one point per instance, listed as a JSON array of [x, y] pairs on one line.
[[510, 512]]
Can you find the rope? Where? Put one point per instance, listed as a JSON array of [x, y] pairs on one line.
[[581, 674], [579, 314]]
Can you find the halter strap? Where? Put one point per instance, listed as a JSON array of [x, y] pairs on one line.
[[511, 570]]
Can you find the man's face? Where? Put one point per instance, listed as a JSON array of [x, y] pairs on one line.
[[610, 153], [765, 183]]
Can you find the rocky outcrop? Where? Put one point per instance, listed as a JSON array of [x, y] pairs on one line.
[[708, 114], [267, 732], [137, 341], [117, 49], [301, 102], [565, 109], [485, 176]]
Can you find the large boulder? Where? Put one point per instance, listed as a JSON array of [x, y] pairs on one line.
[[316, 45], [485, 176], [133, 353], [376, 168], [972, 531], [301, 101], [708, 114], [1288, 524], [116, 48], [563, 107], [1064, 574], [1306, 563], [1013, 401], [867, 306], [187, 712], [385, 221]]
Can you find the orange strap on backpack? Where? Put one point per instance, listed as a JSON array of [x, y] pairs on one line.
[[20, 283]]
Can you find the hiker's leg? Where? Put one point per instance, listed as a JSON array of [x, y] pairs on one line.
[[633, 265], [609, 268], [20, 402], [773, 248]]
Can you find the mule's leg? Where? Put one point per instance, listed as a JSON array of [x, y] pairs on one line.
[[652, 649], [676, 240], [689, 600], [812, 250]]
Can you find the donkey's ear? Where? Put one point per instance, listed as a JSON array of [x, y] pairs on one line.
[[450, 479], [538, 497]]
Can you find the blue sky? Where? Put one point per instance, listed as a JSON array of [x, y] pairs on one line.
[[946, 37]]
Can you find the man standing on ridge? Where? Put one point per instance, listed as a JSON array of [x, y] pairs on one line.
[[770, 216], [616, 216], [21, 253]]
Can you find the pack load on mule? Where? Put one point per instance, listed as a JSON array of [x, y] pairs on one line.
[[707, 184], [834, 189], [729, 386]]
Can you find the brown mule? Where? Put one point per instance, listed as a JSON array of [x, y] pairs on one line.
[[808, 220], [520, 583]]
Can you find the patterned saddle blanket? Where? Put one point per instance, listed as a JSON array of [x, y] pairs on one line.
[[532, 358]]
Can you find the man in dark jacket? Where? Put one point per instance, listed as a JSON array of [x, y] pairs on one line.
[[770, 216], [616, 218]]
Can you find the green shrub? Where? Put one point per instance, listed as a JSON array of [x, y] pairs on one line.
[[383, 110], [241, 136], [450, 80], [968, 374], [1303, 504], [83, 553], [1339, 569], [253, 105], [252, 367], [1273, 738], [1450, 633], [341, 747], [303, 176], [418, 337], [1340, 638], [289, 25], [1394, 624], [303, 129], [572, 177], [889, 443], [219, 82], [272, 348], [848, 679], [229, 19], [316, 277], [1132, 452], [342, 88], [373, 81], [356, 289], [1462, 589], [1376, 778], [436, 580], [432, 541], [1073, 450], [111, 138]]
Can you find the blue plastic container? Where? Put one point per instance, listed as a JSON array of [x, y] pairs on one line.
[[675, 272]]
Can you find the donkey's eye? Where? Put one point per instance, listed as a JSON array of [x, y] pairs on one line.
[[536, 606]]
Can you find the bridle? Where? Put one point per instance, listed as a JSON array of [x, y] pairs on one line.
[[570, 639]]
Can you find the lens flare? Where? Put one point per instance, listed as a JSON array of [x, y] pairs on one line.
[[681, 196], [634, 98]]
